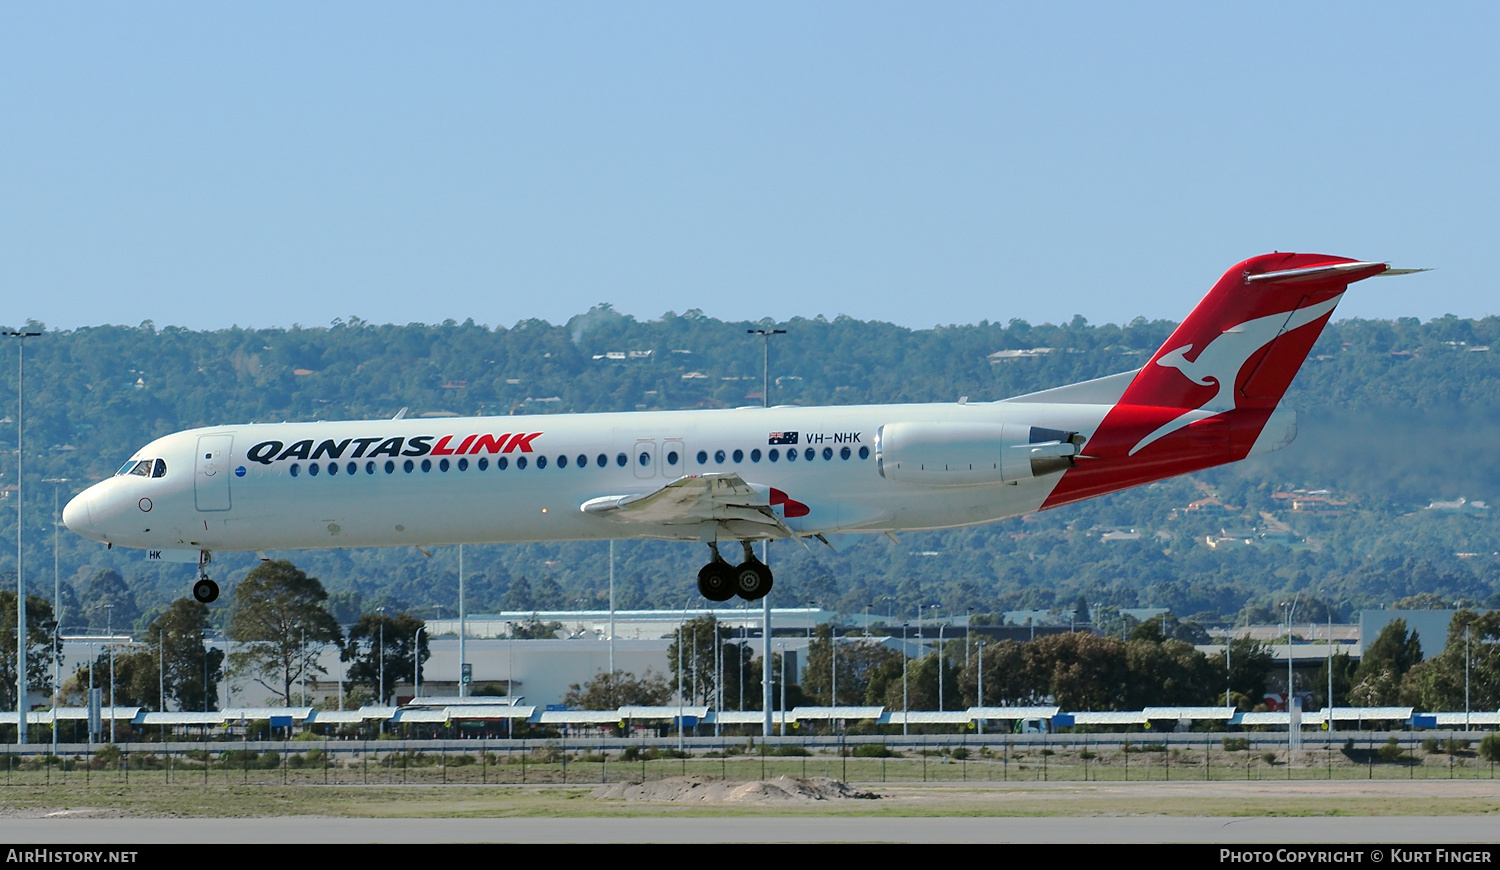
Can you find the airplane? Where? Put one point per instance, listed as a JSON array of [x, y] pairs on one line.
[[1210, 395]]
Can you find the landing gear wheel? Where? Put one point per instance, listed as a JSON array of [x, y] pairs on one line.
[[716, 581], [205, 590], [752, 580]]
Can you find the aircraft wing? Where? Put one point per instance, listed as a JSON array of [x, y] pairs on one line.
[[715, 497]]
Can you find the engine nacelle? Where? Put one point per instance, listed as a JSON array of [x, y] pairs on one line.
[[970, 454]]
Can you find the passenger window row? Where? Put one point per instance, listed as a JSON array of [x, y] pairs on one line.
[[775, 454], [501, 463], [562, 461]]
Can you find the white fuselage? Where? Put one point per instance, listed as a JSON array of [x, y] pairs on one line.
[[347, 484]]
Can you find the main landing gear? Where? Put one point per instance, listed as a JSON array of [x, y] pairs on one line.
[[721, 581]]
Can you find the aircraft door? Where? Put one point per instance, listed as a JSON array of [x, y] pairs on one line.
[[673, 459], [211, 472], [643, 459]]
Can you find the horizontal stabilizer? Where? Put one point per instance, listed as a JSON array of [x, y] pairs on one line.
[[1349, 272]]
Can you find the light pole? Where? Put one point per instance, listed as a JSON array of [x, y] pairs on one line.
[[765, 362], [718, 675], [980, 698], [905, 660], [765, 550], [206, 699], [833, 664], [1330, 670], [1291, 737], [612, 608], [463, 687], [57, 615], [1468, 632], [968, 621], [381, 653], [21, 687], [942, 626], [681, 639], [416, 662], [1229, 668], [92, 658], [783, 690], [109, 629], [1291, 610]]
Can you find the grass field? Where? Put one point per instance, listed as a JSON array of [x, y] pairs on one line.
[[1206, 782], [1381, 798]]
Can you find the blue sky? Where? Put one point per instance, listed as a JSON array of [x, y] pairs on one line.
[[209, 164]]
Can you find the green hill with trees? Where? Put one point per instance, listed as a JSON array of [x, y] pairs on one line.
[[1395, 417]]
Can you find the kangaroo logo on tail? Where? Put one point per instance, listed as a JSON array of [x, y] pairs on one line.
[[1220, 363]]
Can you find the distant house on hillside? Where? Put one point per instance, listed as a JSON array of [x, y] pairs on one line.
[[1315, 501], [1447, 505], [1020, 353]]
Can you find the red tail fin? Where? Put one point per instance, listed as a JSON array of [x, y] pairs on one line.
[[1206, 394]]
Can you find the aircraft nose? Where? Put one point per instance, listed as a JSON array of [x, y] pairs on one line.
[[77, 515]]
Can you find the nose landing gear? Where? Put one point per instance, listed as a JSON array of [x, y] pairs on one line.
[[205, 590], [720, 581]]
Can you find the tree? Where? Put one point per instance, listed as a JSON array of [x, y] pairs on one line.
[[1249, 663], [1438, 683], [787, 697], [280, 617], [1007, 678], [192, 669], [191, 675], [698, 667], [518, 596], [397, 642], [1343, 679], [857, 659], [1377, 680], [40, 627], [535, 629], [610, 691], [1165, 626], [922, 684], [110, 603], [741, 677], [1167, 673], [1080, 671], [128, 678]]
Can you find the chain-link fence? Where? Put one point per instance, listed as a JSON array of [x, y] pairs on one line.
[[890, 759]]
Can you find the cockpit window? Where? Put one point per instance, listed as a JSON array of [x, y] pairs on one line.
[[144, 468]]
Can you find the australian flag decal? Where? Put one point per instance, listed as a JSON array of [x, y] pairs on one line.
[[782, 438]]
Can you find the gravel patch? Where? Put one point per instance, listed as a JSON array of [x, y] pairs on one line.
[[706, 789]]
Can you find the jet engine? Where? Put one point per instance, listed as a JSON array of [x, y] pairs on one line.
[[971, 454]]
